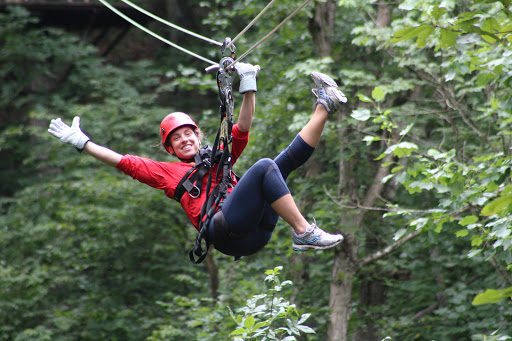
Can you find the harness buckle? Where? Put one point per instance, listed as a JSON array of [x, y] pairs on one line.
[[194, 192]]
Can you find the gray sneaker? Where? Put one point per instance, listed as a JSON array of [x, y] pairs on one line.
[[327, 92], [315, 238]]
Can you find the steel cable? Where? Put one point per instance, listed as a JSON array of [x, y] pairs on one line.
[[251, 23], [171, 24], [136, 24], [213, 64], [270, 33]]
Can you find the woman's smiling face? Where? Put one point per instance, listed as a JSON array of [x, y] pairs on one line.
[[185, 142]]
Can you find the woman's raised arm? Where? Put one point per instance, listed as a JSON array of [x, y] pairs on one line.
[[75, 137]]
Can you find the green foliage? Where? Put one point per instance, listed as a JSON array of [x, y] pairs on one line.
[[88, 254], [467, 180], [446, 139], [268, 316]]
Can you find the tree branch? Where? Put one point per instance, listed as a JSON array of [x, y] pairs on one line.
[[387, 250]]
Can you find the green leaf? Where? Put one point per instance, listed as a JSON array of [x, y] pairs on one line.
[[399, 234], [239, 331], [381, 156], [378, 94], [462, 233], [361, 114], [408, 5], [437, 12], [448, 38], [421, 32], [305, 329], [502, 232], [402, 149], [290, 338], [369, 139], [407, 33], [261, 324], [497, 205], [473, 253], [364, 98], [423, 35], [396, 169], [467, 220], [249, 322], [492, 296], [406, 130]]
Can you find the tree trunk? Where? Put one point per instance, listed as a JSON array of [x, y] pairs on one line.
[[321, 26], [346, 263], [213, 272], [340, 300]]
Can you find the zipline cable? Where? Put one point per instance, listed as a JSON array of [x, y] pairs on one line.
[[251, 23], [213, 64], [270, 33], [171, 24], [113, 9]]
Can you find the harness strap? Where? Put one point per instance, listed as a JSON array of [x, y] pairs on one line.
[[192, 181], [222, 144]]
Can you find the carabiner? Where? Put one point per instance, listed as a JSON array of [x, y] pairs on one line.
[[232, 47]]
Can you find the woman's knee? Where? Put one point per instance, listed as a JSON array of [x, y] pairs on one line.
[[265, 162], [266, 165]]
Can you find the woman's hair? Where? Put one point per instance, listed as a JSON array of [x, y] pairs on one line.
[[168, 144]]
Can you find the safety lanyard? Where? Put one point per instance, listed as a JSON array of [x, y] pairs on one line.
[[223, 143]]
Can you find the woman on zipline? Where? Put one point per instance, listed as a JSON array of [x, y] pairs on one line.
[[245, 222]]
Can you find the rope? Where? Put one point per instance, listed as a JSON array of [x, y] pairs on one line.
[[113, 9], [270, 33], [171, 24], [251, 23]]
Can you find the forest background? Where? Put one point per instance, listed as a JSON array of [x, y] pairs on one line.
[[414, 171]]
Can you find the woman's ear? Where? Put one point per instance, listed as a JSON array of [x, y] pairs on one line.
[[199, 134], [168, 147]]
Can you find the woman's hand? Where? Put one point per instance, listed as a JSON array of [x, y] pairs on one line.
[[72, 135], [247, 73]]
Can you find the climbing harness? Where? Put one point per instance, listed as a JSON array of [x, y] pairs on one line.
[[220, 153], [192, 181]]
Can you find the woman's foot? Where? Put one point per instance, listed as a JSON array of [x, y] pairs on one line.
[[327, 92], [315, 238]]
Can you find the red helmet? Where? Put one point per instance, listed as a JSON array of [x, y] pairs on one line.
[[174, 121]]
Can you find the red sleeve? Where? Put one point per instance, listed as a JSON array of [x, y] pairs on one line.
[[240, 140], [160, 175]]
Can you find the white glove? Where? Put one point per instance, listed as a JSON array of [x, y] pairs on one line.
[[72, 135], [247, 74]]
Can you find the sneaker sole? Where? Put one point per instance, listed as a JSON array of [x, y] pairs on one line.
[[305, 247], [340, 96], [321, 78], [324, 79]]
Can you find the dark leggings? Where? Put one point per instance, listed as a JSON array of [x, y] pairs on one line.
[[246, 222]]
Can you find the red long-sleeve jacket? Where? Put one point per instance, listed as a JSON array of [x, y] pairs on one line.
[[167, 175]]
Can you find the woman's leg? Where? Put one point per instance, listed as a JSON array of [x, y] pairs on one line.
[[304, 144], [262, 196], [313, 129], [286, 208], [294, 156], [260, 186]]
